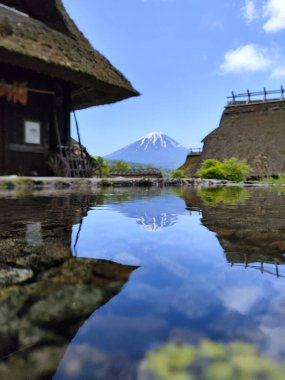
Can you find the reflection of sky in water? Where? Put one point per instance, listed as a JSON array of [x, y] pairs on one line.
[[184, 290]]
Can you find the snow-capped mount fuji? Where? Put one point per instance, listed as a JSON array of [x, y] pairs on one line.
[[155, 148]]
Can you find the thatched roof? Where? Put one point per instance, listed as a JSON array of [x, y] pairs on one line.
[[46, 40], [254, 132]]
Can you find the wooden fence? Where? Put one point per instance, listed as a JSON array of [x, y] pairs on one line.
[[265, 95]]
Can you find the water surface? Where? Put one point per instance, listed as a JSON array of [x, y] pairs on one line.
[[182, 266]]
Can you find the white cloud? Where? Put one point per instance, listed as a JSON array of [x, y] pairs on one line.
[[250, 11], [278, 73], [246, 58], [274, 11]]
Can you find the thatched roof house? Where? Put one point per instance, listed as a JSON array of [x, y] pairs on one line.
[[43, 38], [46, 60], [253, 131]]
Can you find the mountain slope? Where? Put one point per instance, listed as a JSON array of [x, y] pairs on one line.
[[155, 148]]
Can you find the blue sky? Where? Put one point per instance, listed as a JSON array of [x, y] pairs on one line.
[[184, 57]]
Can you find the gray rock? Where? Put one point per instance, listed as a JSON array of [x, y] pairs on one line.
[[67, 303], [11, 276], [30, 335]]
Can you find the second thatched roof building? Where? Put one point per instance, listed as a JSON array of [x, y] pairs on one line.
[[250, 130]]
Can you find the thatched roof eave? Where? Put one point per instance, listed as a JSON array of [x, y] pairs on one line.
[[29, 43], [88, 91]]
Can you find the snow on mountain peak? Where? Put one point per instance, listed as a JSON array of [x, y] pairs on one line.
[[153, 135], [158, 138]]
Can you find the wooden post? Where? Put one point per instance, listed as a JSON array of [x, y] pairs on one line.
[[248, 96], [55, 119]]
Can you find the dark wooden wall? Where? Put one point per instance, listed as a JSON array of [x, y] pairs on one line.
[[16, 155], [1, 136]]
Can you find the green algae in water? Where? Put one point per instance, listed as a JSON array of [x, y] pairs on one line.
[[212, 361]]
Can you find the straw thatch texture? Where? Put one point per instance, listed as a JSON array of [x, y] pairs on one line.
[[191, 161], [241, 228], [253, 132], [46, 40]]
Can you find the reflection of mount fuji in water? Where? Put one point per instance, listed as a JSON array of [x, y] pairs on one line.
[[249, 226], [154, 223], [152, 213]]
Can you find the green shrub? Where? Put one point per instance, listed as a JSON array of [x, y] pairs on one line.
[[277, 180], [236, 170], [211, 169], [230, 169], [178, 173]]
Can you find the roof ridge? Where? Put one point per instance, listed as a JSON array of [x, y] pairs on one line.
[[12, 9]]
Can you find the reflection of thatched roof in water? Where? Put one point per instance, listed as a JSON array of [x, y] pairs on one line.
[[36, 231], [249, 130], [40, 317], [250, 231], [45, 293], [47, 40]]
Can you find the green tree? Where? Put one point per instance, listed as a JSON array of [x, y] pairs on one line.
[[120, 165], [106, 169]]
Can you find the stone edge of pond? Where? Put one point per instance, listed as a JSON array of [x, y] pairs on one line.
[[11, 183]]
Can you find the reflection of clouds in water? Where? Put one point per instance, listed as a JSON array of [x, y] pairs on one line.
[[81, 356], [273, 326], [194, 302], [126, 258], [173, 267], [191, 301], [117, 335], [193, 298], [142, 325], [241, 299], [274, 340]]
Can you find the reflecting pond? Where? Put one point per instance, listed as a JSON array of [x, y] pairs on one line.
[[93, 286]]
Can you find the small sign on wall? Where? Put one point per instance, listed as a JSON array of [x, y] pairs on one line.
[[32, 132]]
